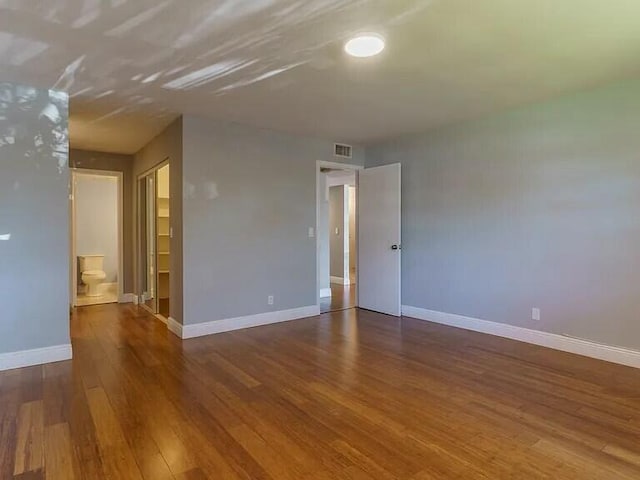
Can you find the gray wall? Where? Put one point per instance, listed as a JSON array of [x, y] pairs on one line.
[[337, 221], [114, 162], [536, 207], [34, 218], [96, 201], [249, 200], [166, 146]]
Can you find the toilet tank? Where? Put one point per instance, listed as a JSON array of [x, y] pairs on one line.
[[91, 262]]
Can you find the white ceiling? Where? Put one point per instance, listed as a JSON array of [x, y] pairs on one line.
[[131, 66]]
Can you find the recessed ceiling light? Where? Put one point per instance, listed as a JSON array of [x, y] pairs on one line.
[[365, 45]]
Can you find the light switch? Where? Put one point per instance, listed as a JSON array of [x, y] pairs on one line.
[[337, 231], [312, 232]]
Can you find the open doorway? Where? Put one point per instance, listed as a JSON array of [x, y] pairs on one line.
[[337, 237], [154, 240], [373, 249], [96, 237]]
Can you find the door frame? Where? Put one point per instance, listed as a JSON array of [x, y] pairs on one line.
[[73, 270], [320, 164], [138, 287]]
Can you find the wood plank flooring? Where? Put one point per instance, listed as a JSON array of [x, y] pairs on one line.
[[349, 395], [342, 297]]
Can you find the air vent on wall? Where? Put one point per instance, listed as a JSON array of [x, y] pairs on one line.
[[341, 150]]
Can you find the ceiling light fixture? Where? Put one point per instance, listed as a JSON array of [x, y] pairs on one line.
[[365, 45]]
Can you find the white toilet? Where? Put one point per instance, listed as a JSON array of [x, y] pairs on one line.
[[91, 273]]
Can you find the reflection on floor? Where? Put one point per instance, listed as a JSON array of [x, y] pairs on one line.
[[109, 295], [348, 395], [342, 297]]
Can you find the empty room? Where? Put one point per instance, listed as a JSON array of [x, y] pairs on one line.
[[321, 239]]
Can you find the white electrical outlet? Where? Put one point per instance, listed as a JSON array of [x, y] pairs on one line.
[[535, 314], [270, 300]]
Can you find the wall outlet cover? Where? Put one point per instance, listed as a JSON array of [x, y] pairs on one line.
[[535, 314]]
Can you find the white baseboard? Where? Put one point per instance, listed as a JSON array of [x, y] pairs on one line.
[[340, 280], [622, 356], [39, 356], [325, 292], [230, 324], [174, 327], [128, 298]]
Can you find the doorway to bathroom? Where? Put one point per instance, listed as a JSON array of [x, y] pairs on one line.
[[154, 240], [96, 237]]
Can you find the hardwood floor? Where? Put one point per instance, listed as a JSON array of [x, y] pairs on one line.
[[342, 297], [350, 395]]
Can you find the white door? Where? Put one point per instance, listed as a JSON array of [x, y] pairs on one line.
[[379, 241]]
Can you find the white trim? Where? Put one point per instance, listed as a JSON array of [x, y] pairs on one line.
[[239, 323], [128, 298], [340, 280], [39, 356], [120, 209], [174, 327], [325, 293], [564, 343]]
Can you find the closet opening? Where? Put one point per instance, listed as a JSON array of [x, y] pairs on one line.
[[154, 240]]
